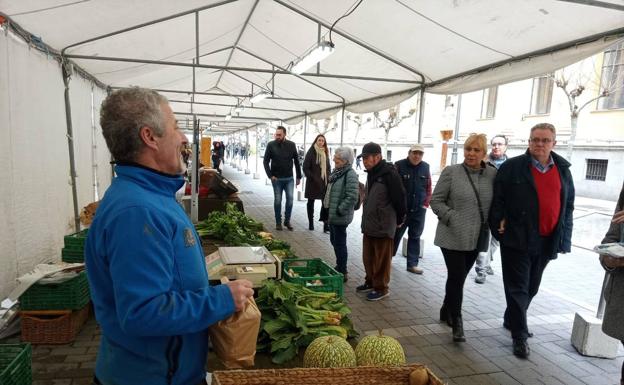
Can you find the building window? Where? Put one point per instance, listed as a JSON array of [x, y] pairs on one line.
[[612, 78], [596, 169], [488, 103], [541, 95]]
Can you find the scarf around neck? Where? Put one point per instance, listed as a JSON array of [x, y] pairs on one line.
[[321, 160]]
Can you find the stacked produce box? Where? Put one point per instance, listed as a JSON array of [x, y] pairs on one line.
[[15, 364], [54, 310]]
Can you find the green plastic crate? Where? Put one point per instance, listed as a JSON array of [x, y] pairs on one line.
[[72, 256], [15, 364], [76, 241], [69, 295], [307, 270]]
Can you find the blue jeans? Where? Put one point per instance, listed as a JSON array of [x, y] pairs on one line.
[[414, 223], [280, 185], [338, 239]]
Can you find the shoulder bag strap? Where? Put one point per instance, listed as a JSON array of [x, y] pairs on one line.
[[476, 194]]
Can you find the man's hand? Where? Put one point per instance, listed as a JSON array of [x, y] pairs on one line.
[[618, 217], [611, 262], [501, 226], [273, 178], [241, 290], [298, 181]]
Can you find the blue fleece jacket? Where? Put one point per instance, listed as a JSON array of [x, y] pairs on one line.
[[149, 284]]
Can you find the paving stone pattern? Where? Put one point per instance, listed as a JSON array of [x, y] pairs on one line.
[[571, 284]]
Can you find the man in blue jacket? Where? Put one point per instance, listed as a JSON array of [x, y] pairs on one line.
[[531, 216], [144, 260], [416, 180]]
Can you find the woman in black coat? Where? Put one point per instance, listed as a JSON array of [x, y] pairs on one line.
[[316, 168]]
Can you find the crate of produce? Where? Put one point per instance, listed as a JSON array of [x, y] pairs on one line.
[[72, 255], [15, 364], [76, 240], [389, 375], [314, 274], [72, 294], [52, 326]]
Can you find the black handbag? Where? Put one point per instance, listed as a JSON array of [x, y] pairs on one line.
[[483, 242]]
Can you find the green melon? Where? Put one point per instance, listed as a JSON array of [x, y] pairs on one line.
[[379, 350], [329, 352]]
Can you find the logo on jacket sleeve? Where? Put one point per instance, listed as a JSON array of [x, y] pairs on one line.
[[189, 238]]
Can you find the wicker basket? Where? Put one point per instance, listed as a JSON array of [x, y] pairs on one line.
[[69, 295], [52, 326], [15, 364], [363, 375]]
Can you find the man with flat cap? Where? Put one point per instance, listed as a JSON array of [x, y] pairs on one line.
[[383, 212], [416, 180]]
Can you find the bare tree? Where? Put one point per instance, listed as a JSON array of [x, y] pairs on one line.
[[357, 119], [394, 119], [324, 126], [573, 83]]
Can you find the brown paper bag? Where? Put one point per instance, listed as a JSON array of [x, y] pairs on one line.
[[234, 338]]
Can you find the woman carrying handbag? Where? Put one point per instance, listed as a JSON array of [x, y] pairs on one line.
[[461, 201]]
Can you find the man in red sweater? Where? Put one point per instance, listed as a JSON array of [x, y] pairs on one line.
[[531, 216]]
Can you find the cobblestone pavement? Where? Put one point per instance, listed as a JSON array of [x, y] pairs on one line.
[[571, 284]]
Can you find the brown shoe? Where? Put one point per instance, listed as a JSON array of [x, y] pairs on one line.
[[415, 270], [288, 226]]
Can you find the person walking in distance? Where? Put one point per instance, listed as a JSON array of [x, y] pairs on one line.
[[316, 168], [416, 180], [496, 158], [382, 213], [279, 157], [531, 216]]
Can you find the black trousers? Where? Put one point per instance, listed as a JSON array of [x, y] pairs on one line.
[[522, 275], [458, 264]]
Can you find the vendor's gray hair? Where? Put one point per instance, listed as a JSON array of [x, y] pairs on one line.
[[124, 113], [345, 153]]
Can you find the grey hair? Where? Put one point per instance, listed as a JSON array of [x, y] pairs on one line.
[[123, 114], [345, 153], [545, 126]]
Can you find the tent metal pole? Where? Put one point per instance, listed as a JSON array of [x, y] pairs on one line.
[[233, 105], [195, 169], [195, 172], [284, 71], [304, 180], [421, 113], [279, 71], [342, 124], [456, 133], [66, 70], [346, 36], [240, 35], [195, 10], [236, 95]]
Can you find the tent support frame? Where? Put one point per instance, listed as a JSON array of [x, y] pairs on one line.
[[66, 71]]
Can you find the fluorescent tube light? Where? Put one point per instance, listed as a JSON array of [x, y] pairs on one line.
[[259, 97], [320, 52], [238, 109]]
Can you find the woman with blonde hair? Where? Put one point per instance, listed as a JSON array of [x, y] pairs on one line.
[[461, 201], [316, 168]]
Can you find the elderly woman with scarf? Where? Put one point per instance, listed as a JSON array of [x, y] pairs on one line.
[[340, 199], [316, 168]]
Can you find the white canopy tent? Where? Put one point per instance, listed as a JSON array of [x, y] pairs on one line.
[[385, 50], [208, 57]]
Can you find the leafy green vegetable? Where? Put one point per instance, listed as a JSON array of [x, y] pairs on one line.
[[293, 316]]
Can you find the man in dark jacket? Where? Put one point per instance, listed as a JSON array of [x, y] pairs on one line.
[[278, 165], [531, 216], [417, 183], [383, 212]]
